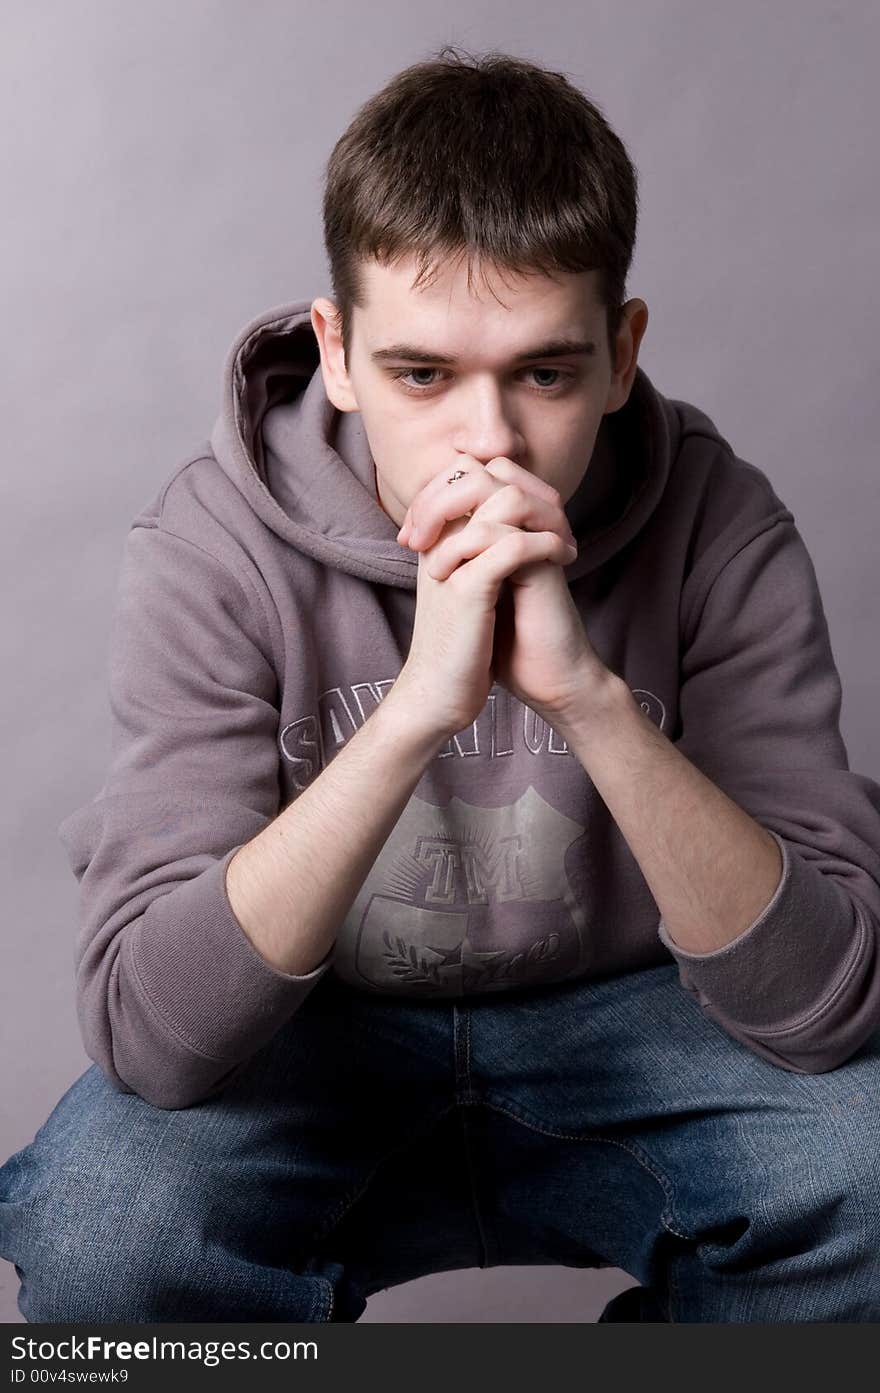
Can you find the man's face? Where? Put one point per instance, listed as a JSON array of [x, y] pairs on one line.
[[499, 396]]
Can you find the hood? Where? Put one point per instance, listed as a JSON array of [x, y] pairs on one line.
[[307, 470]]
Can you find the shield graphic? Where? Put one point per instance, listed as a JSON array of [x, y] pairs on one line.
[[465, 899]]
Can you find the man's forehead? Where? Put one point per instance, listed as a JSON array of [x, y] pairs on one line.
[[563, 308]]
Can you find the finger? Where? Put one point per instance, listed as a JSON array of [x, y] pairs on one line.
[[432, 506], [517, 507], [440, 502], [477, 540], [503, 468], [404, 536], [509, 473]]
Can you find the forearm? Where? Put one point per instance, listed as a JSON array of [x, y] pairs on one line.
[[292, 885], [710, 867]]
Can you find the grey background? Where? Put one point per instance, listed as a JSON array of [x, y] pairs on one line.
[[161, 177]]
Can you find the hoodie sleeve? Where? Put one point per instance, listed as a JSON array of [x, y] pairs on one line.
[[760, 702], [171, 994]]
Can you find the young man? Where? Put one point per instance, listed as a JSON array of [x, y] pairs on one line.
[[443, 870]]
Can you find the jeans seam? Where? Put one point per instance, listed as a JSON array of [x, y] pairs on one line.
[[461, 1030], [636, 1152], [322, 1308], [467, 1098]]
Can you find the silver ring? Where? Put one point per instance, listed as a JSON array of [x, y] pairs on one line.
[[459, 474]]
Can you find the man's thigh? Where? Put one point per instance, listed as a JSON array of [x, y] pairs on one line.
[[613, 1123], [118, 1210]]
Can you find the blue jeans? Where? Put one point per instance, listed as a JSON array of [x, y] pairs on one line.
[[374, 1140]]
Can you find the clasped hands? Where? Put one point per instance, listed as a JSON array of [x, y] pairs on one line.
[[541, 653]]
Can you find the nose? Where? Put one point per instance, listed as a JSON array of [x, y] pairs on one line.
[[488, 429]]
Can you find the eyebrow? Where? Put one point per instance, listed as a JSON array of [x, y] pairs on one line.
[[553, 348]]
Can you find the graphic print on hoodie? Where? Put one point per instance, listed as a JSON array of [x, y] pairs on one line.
[[265, 608]]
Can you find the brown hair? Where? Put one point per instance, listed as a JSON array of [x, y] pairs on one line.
[[493, 157]]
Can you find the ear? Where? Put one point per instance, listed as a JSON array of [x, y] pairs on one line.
[[337, 384], [629, 337]]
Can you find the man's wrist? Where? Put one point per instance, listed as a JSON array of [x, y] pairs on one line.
[[599, 700], [402, 709]]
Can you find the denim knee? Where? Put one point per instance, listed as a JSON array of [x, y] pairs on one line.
[[93, 1245]]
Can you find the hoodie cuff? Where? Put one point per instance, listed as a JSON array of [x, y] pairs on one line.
[[789, 963], [204, 979]]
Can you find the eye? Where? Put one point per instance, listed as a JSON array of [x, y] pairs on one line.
[[549, 389], [408, 372]]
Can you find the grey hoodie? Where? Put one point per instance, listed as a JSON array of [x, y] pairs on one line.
[[264, 608]]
